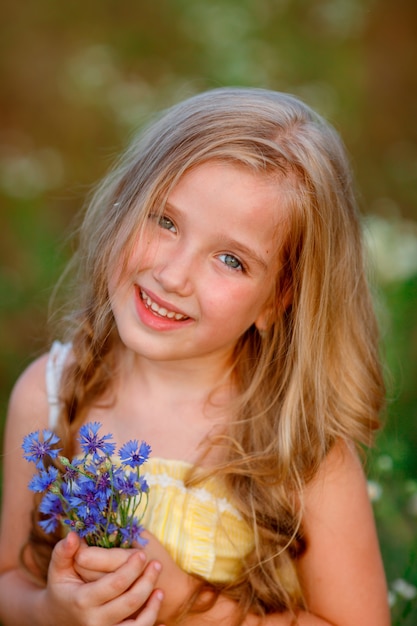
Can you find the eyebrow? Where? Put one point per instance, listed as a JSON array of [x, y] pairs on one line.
[[241, 249]]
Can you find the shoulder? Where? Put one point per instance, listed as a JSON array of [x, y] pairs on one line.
[[37, 389], [336, 496], [29, 399], [32, 380], [341, 470]]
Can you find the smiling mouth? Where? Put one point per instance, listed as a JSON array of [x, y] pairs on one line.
[[160, 310]]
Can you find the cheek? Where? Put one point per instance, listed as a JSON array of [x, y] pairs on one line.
[[237, 304], [143, 254], [113, 280], [119, 280]]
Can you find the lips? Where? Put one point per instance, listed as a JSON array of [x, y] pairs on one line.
[[159, 309]]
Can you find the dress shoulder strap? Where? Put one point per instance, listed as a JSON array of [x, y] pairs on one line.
[[54, 368]]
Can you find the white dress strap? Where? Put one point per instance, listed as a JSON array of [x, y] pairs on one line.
[[54, 368]]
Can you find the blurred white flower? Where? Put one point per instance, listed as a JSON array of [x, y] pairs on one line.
[[384, 463], [393, 247], [392, 598], [28, 174], [404, 589], [89, 71], [374, 490]]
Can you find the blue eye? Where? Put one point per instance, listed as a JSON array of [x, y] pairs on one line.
[[231, 261], [167, 224]]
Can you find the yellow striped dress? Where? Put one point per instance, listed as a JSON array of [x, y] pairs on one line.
[[199, 526]]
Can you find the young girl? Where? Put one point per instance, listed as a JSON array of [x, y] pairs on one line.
[[223, 316]]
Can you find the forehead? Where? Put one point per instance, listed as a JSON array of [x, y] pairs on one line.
[[235, 190]]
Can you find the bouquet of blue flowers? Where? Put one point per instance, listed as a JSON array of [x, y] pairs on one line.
[[101, 500]]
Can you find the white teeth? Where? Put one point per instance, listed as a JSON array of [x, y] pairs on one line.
[[160, 310]]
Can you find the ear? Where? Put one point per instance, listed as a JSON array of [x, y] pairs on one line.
[[272, 309], [264, 320]]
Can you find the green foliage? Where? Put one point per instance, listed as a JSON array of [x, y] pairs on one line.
[[393, 464]]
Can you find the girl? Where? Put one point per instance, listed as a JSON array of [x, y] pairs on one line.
[[221, 314]]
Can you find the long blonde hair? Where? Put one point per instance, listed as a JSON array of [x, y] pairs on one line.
[[309, 379]]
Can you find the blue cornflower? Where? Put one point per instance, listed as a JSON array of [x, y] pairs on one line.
[[44, 480], [69, 488], [89, 524], [132, 533], [143, 485], [74, 524], [133, 454], [112, 528], [104, 484], [92, 444], [87, 498], [127, 485], [51, 505], [71, 476], [37, 448], [93, 495]]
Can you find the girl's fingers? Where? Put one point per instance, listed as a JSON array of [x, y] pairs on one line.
[[62, 560], [149, 614], [101, 559], [113, 584], [126, 593], [93, 563], [122, 593]]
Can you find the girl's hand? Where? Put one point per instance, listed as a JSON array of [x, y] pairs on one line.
[[128, 590], [92, 564]]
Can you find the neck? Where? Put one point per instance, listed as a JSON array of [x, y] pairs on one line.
[[188, 378], [174, 406]]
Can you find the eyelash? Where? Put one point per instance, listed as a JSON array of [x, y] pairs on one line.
[[240, 267], [163, 221]]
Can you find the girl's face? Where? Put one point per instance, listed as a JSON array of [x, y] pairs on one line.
[[205, 270]]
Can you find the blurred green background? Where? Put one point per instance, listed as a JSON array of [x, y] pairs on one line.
[[78, 78]]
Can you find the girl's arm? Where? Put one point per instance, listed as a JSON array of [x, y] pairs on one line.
[[66, 599], [342, 571]]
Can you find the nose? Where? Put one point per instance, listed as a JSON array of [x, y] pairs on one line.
[[173, 268]]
